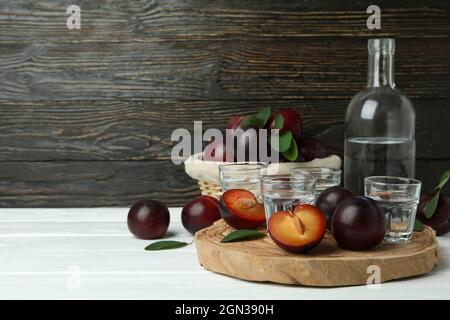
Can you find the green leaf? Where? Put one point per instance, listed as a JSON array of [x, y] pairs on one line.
[[284, 141], [263, 115], [443, 180], [166, 244], [418, 226], [279, 121], [431, 206], [252, 121], [242, 235], [292, 153]]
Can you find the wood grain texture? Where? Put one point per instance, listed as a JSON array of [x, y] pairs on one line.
[[205, 70], [327, 265], [41, 247], [149, 20], [95, 183], [77, 105], [134, 130], [119, 183]]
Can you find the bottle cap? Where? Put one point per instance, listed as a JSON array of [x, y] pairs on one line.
[[383, 45]]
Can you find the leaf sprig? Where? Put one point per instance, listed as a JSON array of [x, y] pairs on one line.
[[243, 235], [165, 245], [234, 236], [258, 120], [431, 206]]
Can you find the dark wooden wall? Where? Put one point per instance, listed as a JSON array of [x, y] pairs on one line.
[[86, 115]]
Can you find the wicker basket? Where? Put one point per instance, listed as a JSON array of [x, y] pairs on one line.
[[207, 172], [210, 189]]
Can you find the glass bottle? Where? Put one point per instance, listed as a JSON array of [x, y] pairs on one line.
[[379, 124]]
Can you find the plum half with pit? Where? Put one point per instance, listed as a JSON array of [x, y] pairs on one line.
[[298, 231], [200, 213], [358, 223], [148, 219], [241, 210]]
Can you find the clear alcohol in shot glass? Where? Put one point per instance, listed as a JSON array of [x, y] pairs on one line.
[[398, 197], [242, 175], [284, 192], [326, 177]]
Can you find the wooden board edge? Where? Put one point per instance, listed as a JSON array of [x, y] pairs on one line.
[[428, 259]]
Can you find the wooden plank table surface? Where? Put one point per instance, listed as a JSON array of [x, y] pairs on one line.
[[89, 254]]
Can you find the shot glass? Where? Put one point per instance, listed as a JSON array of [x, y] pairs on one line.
[[242, 175], [398, 197], [326, 177], [284, 192]]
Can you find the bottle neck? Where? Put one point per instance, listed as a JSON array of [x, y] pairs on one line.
[[381, 69]]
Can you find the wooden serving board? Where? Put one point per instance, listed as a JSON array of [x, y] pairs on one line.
[[327, 265]]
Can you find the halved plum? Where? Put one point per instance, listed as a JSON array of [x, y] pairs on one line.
[[241, 210], [298, 231]]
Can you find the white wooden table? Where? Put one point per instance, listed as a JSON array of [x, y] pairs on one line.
[[89, 254]]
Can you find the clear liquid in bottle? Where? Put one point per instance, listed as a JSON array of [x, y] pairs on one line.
[[379, 124], [377, 157]]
